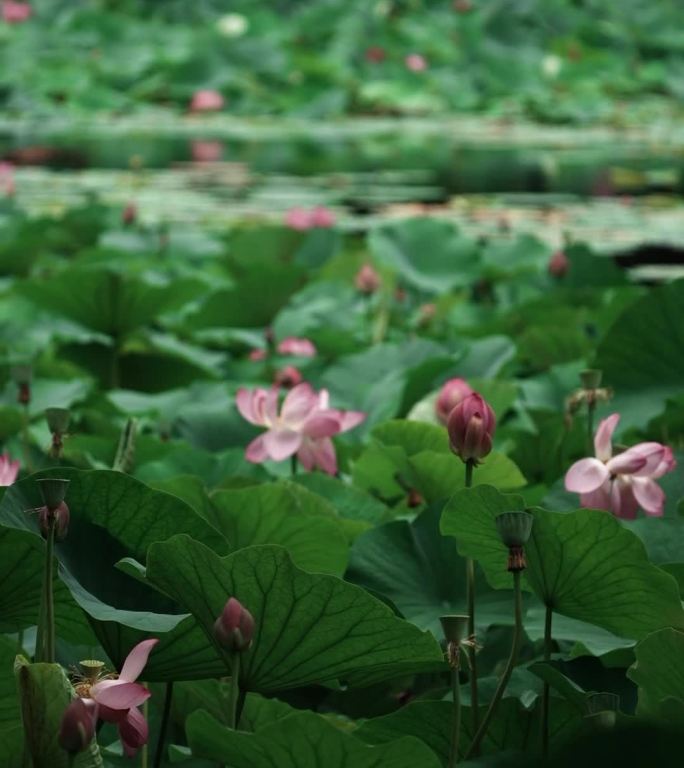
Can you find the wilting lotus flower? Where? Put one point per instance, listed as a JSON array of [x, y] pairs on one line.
[[288, 377], [14, 12], [296, 347], [7, 185], [303, 427], [8, 470], [471, 426], [415, 62], [367, 280], [118, 700], [78, 725], [558, 264], [450, 395], [206, 101], [621, 483], [234, 628]]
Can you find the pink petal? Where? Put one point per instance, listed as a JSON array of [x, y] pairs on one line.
[[351, 419], [256, 451], [116, 694], [136, 660], [323, 452], [649, 494], [586, 475], [622, 499], [248, 403], [598, 499], [299, 403], [667, 463], [270, 406], [281, 443], [321, 424], [306, 454], [603, 446], [625, 463], [133, 731], [652, 453]]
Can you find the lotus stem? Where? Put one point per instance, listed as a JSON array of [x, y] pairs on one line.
[[508, 671], [234, 689], [456, 721], [470, 595], [546, 693], [45, 638], [166, 716]]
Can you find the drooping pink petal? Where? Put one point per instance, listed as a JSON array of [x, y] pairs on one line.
[[256, 451], [649, 494], [281, 443], [586, 475], [133, 731], [667, 463], [622, 501], [652, 453], [598, 499], [321, 424], [603, 439], [136, 660], [324, 455], [117, 694], [305, 454], [250, 405], [626, 463]]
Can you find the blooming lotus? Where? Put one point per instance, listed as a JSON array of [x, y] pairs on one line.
[[118, 699], [206, 101], [623, 482], [297, 347], [302, 219], [450, 395], [14, 12], [8, 470], [303, 426]]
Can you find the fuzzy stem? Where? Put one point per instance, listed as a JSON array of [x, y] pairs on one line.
[[512, 659], [234, 689], [470, 594], [591, 407], [456, 722], [546, 694], [26, 438], [45, 638], [166, 715], [293, 465]]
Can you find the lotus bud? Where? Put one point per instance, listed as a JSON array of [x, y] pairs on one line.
[[367, 280], [471, 425], [129, 214], [53, 490], [288, 377], [514, 529], [234, 628], [450, 395], [602, 709], [558, 264], [78, 725]]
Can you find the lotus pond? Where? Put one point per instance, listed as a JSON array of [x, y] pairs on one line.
[[339, 427]]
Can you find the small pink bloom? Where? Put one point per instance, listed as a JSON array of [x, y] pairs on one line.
[[297, 347], [558, 264], [78, 725], [7, 183], [471, 426], [367, 280], [14, 12], [234, 628], [624, 482], [415, 62], [322, 217], [206, 151], [450, 395], [118, 699], [206, 101], [375, 54], [299, 219], [8, 470], [258, 354], [303, 426], [288, 377]]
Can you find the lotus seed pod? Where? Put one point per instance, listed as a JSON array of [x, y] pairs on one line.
[[591, 378], [514, 528], [53, 490], [58, 419], [455, 627]]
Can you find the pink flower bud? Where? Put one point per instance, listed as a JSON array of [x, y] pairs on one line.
[[256, 355], [78, 725], [61, 514], [450, 395], [206, 151], [298, 347], [415, 62], [206, 101], [471, 426], [322, 217], [14, 12], [234, 628], [367, 280], [558, 264], [299, 219], [375, 54], [129, 214], [288, 377]]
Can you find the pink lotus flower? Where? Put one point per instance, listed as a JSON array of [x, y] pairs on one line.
[[14, 12], [367, 280], [206, 151], [234, 628], [129, 214], [450, 395], [7, 183], [471, 426], [118, 700], [258, 354], [288, 377], [77, 728], [298, 219], [8, 470], [322, 217], [375, 54], [297, 347], [622, 483], [558, 264], [303, 427], [206, 101], [415, 62]]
